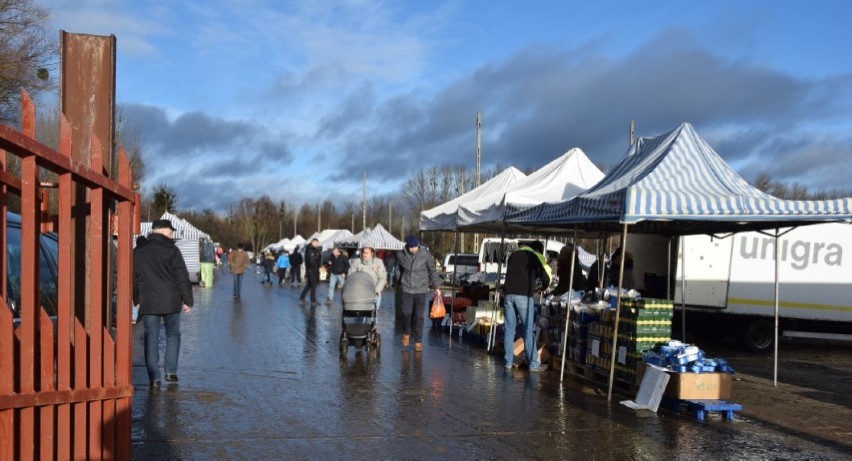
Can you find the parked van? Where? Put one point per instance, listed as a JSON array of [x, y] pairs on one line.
[[730, 285], [458, 264]]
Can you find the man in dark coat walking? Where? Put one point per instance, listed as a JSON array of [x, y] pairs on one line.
[[295, 266], [161, 288], [313, 261]]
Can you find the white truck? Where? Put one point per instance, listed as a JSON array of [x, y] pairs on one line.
[[730, 285]]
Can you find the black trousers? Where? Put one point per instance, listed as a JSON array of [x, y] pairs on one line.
[[313, 281]]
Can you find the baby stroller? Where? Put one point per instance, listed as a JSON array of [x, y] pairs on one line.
[[359, 314]]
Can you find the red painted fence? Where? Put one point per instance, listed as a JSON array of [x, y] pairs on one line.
[[65, 382]]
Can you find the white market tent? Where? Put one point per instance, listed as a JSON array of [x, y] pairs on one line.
[[353, 241], [676, 184], [444, 217], [561, 179], [183, 229], [329, 236], [381, 239], [297, 241]]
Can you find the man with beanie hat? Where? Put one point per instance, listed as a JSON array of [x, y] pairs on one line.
[[415, 273]]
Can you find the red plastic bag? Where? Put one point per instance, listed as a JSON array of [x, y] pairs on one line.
[[438, 310]]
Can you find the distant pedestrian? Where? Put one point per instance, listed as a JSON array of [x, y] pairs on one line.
[[161, 288], [390, 266], [295, 266], [338, 267], [282, 264], [268, 266], [239, 262], [313, 261], [415, 273], [373, 266], [525, 270]]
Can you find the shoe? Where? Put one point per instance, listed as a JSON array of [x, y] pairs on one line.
[[418, 347], [171, 377], [508, 366], [405, 339], [542, 367], [314, 304], [155, 385], [328, 302], [301, 302]]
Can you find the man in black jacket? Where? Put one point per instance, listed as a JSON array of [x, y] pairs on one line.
[[338, 267], [161, 288], [313, 261], [524, 270], [295, 266]]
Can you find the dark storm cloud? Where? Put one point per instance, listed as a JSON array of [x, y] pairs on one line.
[[217, 146], [542, 101]]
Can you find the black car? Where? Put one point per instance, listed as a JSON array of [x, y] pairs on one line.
[[48, 268]]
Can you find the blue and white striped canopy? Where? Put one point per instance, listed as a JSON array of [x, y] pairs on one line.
[[677, 184]]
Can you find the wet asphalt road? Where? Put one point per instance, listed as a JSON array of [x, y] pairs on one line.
[[261, 378]]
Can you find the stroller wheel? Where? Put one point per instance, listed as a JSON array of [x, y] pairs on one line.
[[344, 345]]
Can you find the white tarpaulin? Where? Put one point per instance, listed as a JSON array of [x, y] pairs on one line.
[[561, 179], [443, 217], [381, 239]]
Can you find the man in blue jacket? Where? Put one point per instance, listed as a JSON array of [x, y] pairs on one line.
[[161, 288]]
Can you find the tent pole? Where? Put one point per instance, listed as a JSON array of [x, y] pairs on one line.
[[613, 355], [454, 284], [570, 306], [669, 270], [500, 254], [682, 290], [775, 364]]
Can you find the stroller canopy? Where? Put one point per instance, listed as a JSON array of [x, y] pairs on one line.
[[359, 292]]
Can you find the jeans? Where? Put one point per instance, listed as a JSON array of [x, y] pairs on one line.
[[521, 308], [413, 305], [333, 281], [238, 284], [295, 273], [152, 343]]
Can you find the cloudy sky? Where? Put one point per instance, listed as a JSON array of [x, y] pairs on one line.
[[296, 99]]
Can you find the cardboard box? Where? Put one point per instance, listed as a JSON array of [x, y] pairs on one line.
[[693, 386], [519, 346], [689, 386], [543, 353]]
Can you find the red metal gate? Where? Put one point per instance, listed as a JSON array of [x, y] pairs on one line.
[[65, 382]]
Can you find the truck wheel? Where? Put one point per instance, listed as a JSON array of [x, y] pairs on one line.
[[758, 336]]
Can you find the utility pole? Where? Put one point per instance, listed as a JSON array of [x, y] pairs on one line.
[[353, 223], [460, 234], [319, 218], [632, 132], [295, 222], [364, 203], [478, 165], [390, 217]]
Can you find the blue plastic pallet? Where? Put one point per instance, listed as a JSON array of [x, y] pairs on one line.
[[699, 408]]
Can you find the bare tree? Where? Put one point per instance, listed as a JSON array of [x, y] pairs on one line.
[[28, 53]]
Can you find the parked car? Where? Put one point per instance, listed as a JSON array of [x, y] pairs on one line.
[[459, 263], [48, 268]]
